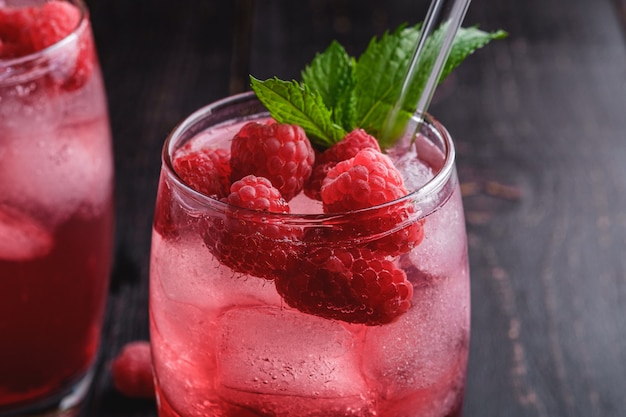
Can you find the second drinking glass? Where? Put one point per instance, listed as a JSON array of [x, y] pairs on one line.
[[56, 206]]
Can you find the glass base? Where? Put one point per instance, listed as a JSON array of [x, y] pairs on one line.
[[63, 404]]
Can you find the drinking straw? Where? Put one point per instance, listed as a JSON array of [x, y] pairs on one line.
[[445, 18]]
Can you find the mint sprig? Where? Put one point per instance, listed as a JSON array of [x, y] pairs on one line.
[[379, 76], [332, 75], [339, 93], [295, 103]]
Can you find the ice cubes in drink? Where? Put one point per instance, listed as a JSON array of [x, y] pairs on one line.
[[288, 363], [55, 174], [443, 251], [426, 346], [203, 282]]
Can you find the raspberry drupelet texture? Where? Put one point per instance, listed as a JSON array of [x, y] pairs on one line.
[[52, 22], [355, 285], [350, 145], [367, 180], [279, 152], [253, 243], [26, 30], [205, 170], [347, 148], [257, 193]]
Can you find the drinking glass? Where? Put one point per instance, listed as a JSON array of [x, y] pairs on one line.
[[56, 217], [256, 341]]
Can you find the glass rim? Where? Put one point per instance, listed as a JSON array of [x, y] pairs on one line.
[[429, 188], [33, 56]]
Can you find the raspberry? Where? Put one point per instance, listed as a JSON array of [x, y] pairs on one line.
[[14, 35], [367, 180], [257, 193], [205, 170], [221, 159], [347, 148], [353, 285], [132, 371], [279, 152], [254, 243], [313, 186], [350, 145], [52, 22], [26, 30], [402, 240]]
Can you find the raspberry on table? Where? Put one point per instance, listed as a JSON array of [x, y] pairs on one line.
[[347, 148], [132, 371], [355, 285], [253, 243], [279, 152]]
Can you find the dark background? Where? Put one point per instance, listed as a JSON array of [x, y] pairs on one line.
[[540, 125]]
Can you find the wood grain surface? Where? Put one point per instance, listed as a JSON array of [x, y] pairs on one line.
[[540, 127]]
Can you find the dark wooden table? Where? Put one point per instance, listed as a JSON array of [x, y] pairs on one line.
[[540, 125]]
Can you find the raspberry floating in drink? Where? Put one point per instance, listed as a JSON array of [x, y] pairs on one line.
[[27, 30]]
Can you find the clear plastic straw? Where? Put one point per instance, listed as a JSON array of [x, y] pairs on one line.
[[444, 19]]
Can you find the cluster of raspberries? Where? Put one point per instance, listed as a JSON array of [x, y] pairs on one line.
[[29, 29], [270, 163]]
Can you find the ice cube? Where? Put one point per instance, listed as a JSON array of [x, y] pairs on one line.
[[414, 173], [184, 352], [56, 173], [285, 363], [443, 250], [21, 236], [183, 374], [188, 273], [422, 355]]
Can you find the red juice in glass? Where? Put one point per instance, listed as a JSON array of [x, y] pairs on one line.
[[56, 205], [251, 316]]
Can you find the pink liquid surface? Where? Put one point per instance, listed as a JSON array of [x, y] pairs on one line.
[[226, 344]]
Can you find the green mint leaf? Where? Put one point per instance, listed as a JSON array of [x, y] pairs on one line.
[[339, 93], [382, 68], [467, 41], [294, 103], [331, 73], [379, 74], [431, 48]]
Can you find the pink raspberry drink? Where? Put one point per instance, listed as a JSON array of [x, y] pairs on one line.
[[56, 211], [302, 263], [262, 305]]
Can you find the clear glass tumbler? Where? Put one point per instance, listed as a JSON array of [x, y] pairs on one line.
[[56, 206], [250, 311]]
